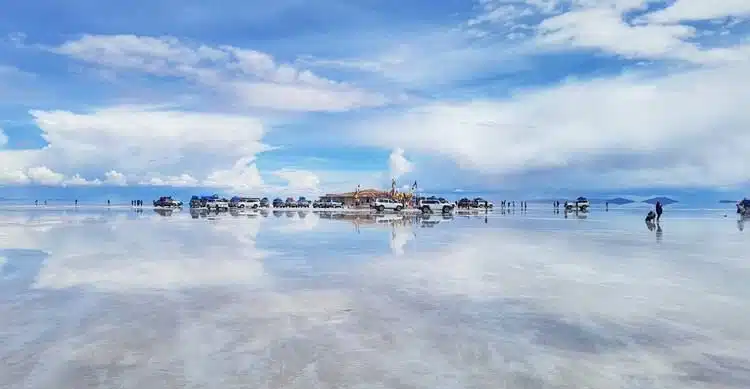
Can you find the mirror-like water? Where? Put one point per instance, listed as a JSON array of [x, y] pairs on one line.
[[118, 299]]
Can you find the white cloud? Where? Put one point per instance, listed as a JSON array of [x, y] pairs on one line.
[[299, 179], [398, 164], [243, 175], [13, 177], [176, 181], [77, 180], [247, 77], [692, 120], [604, 25], [43, 175], [115, 178], [687, 10], [130, 142]]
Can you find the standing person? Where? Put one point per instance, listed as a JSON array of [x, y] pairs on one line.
[[76, 202], [36, 202], [108, 203], [659, 210], [606, 206]]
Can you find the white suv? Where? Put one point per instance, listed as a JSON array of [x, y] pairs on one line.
[[247, 202], [382, 204], [432, 206], [217, 204]]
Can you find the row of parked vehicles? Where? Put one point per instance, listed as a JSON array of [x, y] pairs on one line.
[[214, 202]]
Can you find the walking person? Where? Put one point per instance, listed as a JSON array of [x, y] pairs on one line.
[[659, 211]]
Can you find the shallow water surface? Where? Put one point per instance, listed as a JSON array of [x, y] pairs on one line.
[[287, 299]]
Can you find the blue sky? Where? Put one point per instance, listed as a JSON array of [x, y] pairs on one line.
[[534, 98]]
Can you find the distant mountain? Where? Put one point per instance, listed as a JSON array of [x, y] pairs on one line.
[[663, 200], [727, 201], [620, 201]]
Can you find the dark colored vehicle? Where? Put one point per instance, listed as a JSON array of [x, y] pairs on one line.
[[167, 201], [264, 202], [200, 201], [464, 203], [290, 202], [303, 202], [278, 203], [318, 204]]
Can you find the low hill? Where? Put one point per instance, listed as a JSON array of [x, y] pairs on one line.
[[663, 200], [620, 201]]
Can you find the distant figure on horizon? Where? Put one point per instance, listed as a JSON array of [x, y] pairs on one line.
[[36, 202], [659, 211], [45, 202], [108, 203], [606, 206], [76, 202]]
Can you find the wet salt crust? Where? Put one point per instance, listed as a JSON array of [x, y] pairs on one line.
[[103, 299]]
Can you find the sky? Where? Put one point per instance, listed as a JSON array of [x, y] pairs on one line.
[[535, 97]]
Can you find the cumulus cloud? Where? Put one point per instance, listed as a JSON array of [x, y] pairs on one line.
[[115, 178], [243, 175], [692, 120], [398, 164], [299, 179], [606, 26], [248, 77], [133, 142]]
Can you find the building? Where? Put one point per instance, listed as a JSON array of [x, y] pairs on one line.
[[353, 199]]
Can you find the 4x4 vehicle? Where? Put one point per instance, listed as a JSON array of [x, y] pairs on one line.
[[167, 201], [331, 204], [264, 202], [278, 203], [217, 204], [303, 203], [435, 205], [464, 203], [245, 202], [290, 202], [481, 203], [382, 204]]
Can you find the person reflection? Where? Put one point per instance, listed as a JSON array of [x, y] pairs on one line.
[[650, 225], [659, 232], [741, 224]]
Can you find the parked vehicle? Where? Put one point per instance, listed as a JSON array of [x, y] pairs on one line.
[[264, 203], [481, 203], [290, 202], [743, 207], [435, 205], [303, 203], [217, 204], [318, 204], [245, 202], [464, 203], [382, 204], [581, 204], [167, 202], [278, 203], [332, 204]]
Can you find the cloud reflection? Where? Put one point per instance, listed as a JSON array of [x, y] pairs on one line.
[[239, 301]]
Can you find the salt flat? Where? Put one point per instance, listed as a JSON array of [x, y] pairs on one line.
[[97, 298]]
